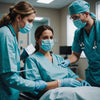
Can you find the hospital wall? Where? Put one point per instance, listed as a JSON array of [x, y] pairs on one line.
[[59, 23]]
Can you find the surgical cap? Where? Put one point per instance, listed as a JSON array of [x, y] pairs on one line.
[[78, 6]]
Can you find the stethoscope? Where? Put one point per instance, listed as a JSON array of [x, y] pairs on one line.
[[81, 39]]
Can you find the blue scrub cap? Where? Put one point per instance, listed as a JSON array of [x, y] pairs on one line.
[[80, 6]]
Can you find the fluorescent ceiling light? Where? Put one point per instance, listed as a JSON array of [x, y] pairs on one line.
[[45, 1], [38, 18]]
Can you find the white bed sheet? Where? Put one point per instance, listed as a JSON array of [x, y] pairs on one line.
[[72, 93]]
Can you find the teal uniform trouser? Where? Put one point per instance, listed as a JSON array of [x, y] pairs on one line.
[[93, 76]]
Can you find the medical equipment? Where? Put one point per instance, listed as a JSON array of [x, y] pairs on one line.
[[78, 23], [81, 38], [47, 45], [27, 51], [26, 29]]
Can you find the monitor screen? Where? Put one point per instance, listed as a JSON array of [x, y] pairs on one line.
[[65, 50]]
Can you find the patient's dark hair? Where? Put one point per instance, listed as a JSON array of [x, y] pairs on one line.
[[39, 32]]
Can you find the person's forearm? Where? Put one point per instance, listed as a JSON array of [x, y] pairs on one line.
[[79, 79], [15, 81], [74, 58], [51, 85]]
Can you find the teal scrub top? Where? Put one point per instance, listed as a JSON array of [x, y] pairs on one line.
[[39, 67], [93, 55], [10, 80]]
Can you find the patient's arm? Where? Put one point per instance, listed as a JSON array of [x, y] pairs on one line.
[[54, 84], [74, 57], [51, 85], [79, 79]]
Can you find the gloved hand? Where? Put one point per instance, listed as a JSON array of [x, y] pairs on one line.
[[85, 83], [40, 85], [65, 63], [70, 82]]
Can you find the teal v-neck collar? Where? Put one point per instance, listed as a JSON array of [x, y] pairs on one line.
[[89, 38], [40, 54], [12, 30]]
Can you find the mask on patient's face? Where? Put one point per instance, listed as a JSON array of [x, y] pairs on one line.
[[47, 44], [78, 23]]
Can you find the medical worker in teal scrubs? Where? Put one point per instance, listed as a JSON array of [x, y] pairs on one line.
[[19, 18], [87, 39], [45, 65]]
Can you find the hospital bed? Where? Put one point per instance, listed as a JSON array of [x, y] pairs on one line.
[[72, 93], [69, 93]]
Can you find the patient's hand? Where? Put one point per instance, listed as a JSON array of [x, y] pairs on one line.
[[70, 82]]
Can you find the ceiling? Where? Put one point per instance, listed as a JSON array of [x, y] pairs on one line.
[[57, 4]]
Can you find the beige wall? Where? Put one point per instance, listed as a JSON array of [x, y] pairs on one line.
[[4, 7]]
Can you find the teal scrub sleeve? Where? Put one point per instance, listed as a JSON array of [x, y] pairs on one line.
[[15, 81], [31, 70], [8, 53], [76, 44]]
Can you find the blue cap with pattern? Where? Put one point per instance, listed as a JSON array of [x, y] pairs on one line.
[[78, 6]]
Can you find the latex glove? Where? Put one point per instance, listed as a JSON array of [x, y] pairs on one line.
[[40, 85], [65, 63], [70, 82], [85, 83]]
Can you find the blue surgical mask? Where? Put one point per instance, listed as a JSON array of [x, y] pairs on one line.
[[78, 23], [47, 44], [26, 29]]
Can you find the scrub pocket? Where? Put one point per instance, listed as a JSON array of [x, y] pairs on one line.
[[93, 76], [4, 96]]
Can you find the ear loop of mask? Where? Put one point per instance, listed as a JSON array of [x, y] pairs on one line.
[[18, 26]]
